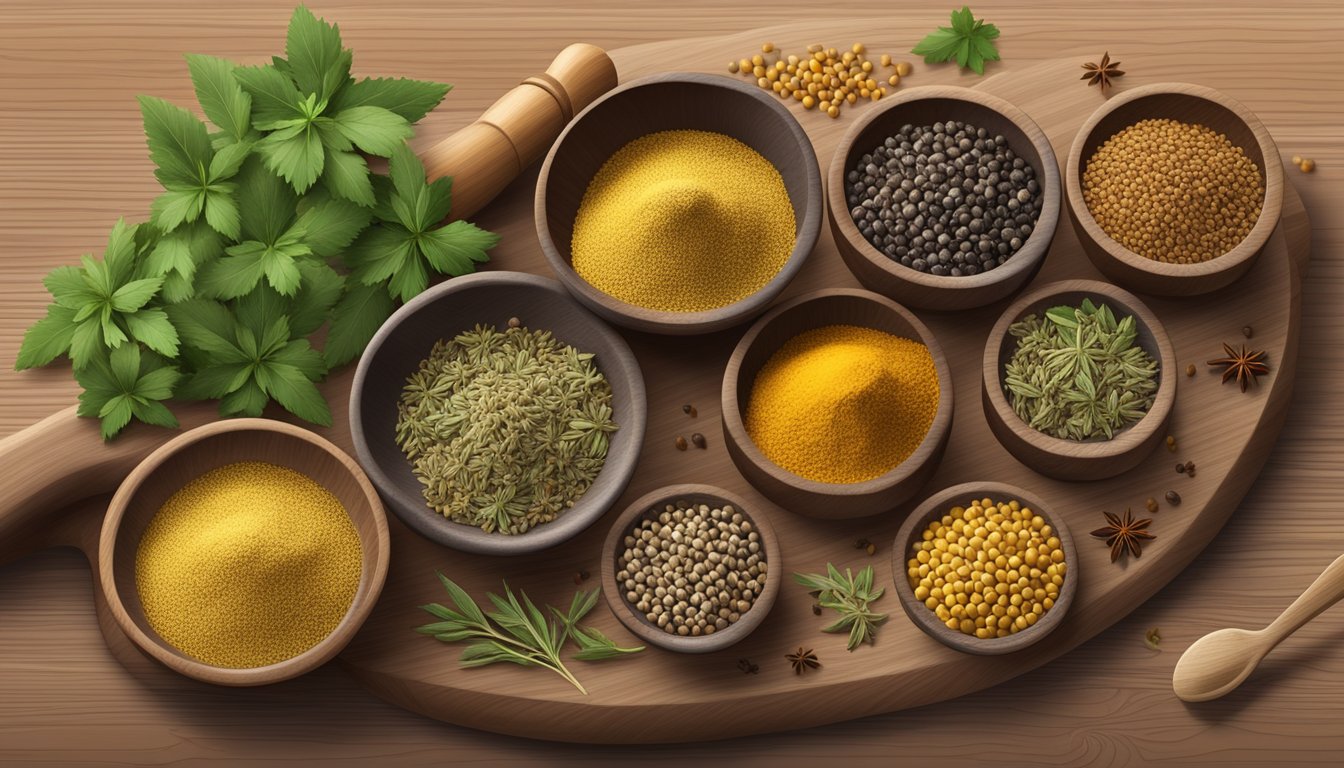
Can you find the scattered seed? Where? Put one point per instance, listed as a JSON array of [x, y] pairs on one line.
[[871, 548], [1307, 165], [681, 443], [1152, 638], [1151, 504], [1173, 498], [1171, 443], [734, 67], [1297, 159], [699, 440], [514, 322], [1247, 331], [580, 576], [689, 410], [1190, 467], [1180, 469], [747, 667], [816, 609], [1190, 369], [768, 48], [903, 68]]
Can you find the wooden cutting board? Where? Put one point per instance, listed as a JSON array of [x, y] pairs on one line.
[[659, 696]]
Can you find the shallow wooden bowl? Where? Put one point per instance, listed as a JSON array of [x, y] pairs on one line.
[[938, 505], [193, 453], [1191, 104], [1078, 459], [675, 101], [924, 106], [442, 312], [651, 504], [809, 497]]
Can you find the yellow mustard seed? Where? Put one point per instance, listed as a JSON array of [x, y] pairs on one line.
[[903, 68], [248, 565], [683, 221], [767, 48]]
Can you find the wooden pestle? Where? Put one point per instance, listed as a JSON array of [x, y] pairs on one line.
[[518, 129]]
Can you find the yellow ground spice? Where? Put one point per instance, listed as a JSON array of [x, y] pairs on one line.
[[683, 221], [843, 404], [248, 565]]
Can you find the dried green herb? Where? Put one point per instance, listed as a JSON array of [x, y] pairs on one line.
[[1078, 373], [848, 595], [505, 429], [518, 632]]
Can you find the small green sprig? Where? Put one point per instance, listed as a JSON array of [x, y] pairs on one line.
[[850, 596], [518, 632], [969, 40]]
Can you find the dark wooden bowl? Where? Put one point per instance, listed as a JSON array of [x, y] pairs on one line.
[[925, 106], [674, 101], [938, 505], [1078, 459], [652, 504], [188, 456], [1191, 104], [459, 305], [810, 497]]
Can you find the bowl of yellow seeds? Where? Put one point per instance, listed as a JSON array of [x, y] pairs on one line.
[[985, 568], [679, 203], [244, 552], [1173, 189]]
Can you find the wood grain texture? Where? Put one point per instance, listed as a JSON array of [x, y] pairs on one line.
[[69, 141]]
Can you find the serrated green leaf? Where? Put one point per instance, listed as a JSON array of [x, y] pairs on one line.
[[354, 320], [69, 289], [152, 328], [281, 272], [295, 154], [227, 105], [408, 178], [247, 400], [47, 339], [135, 294], [346, 175], [330, 224], [412, 99], [438, 200], [319, 291], [296, 394], [206, 325], [410, 280], [379, 253], [375, 130], [155, 413], [227, 161], [233, 275], [171, 209], [216, 381], [221, 212], [274, 97], [266, 203], [315, 57], [454, 249], [968, 41], [178, 143]]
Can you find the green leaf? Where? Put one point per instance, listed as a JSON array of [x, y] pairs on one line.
[[247, 400], [221, 213], [408, 179], [266, 203], [178, 143], [47, 339], [412, 99], [152, 328], [410, 280], [155, 413], [316, 60], [375, 130], [294, 153], [126, 383], [135, 294], [968, 41], [274, 97], [281, 271], [356, 317], [330, 223], [227, 161], [297, 394], [319, 291], [226, 104], [216, 381], [171, 209], [208, 326], [346, 175], [119, 255], [455, 248], [69, 288], [379, 253], [438, 199]]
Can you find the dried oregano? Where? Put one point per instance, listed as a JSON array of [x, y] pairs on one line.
[[1078, 373], [505, 430]]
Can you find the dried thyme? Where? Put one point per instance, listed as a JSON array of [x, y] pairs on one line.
[[505, 430]]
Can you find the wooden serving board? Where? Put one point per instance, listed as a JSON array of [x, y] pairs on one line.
[[660, 696]]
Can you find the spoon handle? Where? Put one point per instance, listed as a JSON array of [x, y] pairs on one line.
[[1324, 592]]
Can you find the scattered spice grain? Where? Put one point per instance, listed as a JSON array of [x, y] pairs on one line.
[[698, 440], [1190, 369], [1153, 639], [680, 443], [1180, 468], [689, 410], [1247, 331], [1171, 443], [745, 666], [1152, 506], [1173, 498], [1307, 165]]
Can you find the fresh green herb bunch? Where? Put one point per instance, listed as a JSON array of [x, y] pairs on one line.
[[969, 40], [1078, 373], [850, 596], [215, 295]]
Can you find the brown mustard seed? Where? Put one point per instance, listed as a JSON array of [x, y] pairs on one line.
[[699, 440], [1173, 498], [681, 443], [816, 609], [1180, 469], [514, 322], [689, 410], [1247, 331], [1190, 369], [580, 576], [1171, 443], [1151, 504]]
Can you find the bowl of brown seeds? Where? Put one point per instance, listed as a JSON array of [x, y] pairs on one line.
[[1173, 188], [689, 569]]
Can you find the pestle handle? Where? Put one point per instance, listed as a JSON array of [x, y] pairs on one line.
[[517, 130], [1325, 591]]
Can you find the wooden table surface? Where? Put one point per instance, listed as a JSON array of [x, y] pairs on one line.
[[73, 160]]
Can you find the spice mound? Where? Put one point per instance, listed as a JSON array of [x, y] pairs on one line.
[[692, 569], [683, 221], [843, 404], [948, 199], [1078, 373], [248, 565], [1174, 192], [505, 430], [989, 569]]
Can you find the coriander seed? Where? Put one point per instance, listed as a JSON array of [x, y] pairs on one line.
[[1151, 504], [1190, 369]]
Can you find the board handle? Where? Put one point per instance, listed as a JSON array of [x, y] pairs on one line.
[[518, 129]]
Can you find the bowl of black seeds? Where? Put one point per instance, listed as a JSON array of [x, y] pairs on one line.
[[687, 568], [944, 198]]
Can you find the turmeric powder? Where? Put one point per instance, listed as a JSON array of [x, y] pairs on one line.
[[843, 404]]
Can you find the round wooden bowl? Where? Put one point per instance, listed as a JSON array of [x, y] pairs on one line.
[[442, 312], [675, 101], [938, 505], [188, 456], [1078, 459], [1191, 104], [809, 497], [924, 106], [651, 504]]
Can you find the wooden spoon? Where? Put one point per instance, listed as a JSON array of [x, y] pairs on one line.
[[1218, 662]]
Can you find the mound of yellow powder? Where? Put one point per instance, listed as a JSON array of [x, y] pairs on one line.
[[683, 221], [843, 404], [248, 565]]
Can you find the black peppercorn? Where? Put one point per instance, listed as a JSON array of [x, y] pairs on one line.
[[1173, 498], [698, 439], [681, 443]]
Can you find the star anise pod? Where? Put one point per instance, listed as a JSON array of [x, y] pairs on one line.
[[1244, 365], [803, 660], [1125, 534], [1102, 73]]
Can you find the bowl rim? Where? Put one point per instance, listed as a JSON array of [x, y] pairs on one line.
[[919, 613], [735, 424], [1132, 437], [1025, 260], [366, 594], [587, 509], [704, 321], [639, 625], [1270, 208]]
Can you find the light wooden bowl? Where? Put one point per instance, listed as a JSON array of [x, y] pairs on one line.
[[925, 106], [193, 453], [651, 504], [1078, 459], [810, 497], [1191, 104], [938, 505], [675, 101], [444, 311]]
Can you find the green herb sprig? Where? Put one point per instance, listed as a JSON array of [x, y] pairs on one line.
[[970, 41], [518, 632], [216, 294], [850, 596]]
